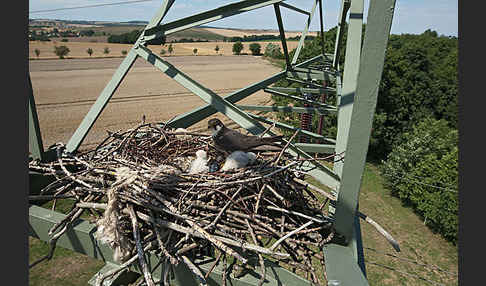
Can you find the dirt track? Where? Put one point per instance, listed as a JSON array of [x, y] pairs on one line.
[[65, 90]]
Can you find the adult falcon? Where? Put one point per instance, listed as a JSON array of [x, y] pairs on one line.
[[227, 140]]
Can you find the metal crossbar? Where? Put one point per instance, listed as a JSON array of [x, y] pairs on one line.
[[362, 72]]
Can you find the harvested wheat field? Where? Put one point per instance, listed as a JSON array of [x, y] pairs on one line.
[[65, 90], [247, 32], [78, 49]]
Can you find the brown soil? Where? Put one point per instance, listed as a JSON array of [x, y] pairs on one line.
[[65, 90]]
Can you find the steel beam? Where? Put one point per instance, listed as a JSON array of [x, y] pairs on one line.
[[316, 148], [159, 16], [283, 4], [282, 36], [189, 118], [36, 147], [313, 102], [304, 34], [273, 108], [380, 15], [340, 32], [351, 67], [317, 90], [101, 102], [206, 17]]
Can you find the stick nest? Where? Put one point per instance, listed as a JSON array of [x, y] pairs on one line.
[[136, 187]]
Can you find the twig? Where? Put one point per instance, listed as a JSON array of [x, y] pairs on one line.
[[141, 258]]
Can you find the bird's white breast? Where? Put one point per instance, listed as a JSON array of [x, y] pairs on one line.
[[238, 159]]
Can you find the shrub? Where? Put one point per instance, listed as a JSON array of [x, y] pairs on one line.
[[422, 170], [194, 51], [216, 49], [163, 52], [89, 51], [61, 51], [37, 52], [106, 50], [237, 48], [124, 52], [170, 49], [255, 49], [273, 51]]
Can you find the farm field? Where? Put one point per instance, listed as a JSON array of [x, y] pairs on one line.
[[78, 49], [246, 32], [65, 90]]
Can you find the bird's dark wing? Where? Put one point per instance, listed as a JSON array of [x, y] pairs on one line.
[[237, 141]]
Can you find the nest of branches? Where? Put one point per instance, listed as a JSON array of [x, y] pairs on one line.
[[136, 186]]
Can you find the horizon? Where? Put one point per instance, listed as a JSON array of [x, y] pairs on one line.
[[411, 16]]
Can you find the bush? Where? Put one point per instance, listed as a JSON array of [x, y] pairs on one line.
[[422, 170], [273, 51], [124, 52], [106, 50], [237, 48], [61, 51], [89, 51], [255, 49]]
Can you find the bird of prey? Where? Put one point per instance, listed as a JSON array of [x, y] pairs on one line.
[[227, 140]]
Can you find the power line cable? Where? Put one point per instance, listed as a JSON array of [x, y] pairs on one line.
[[421, 183], [88, 6], [421, 177]]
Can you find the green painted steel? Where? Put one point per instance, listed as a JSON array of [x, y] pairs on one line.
[[283, 4], [313, 102], [304, 34], [189, 118], [321, 26], [341, 266], [379, 22], [308, 76], [273, 108], [316, 148], [292, 128], [340, 32], [159, 16], [36, 148], [101, 102], [317, 90], [282, 36], [351, 68], [206, 17]]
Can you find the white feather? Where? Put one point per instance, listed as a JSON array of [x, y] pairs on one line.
[[182, 136], [238, 159], [200, 165]]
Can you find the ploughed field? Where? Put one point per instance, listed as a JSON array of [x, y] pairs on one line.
[[64, 91]]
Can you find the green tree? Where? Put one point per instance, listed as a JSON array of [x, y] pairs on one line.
[[422, 170], [237, 48], [216, 49], [255, 49], [89, 51], [163, 52], [37, 52], [61, 51], [124, 52], [106, 50], [194, 51], [273, 51], [170, 49]]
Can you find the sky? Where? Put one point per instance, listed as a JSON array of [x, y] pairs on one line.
[[411, 16]]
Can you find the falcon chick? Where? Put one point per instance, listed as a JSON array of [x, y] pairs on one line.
[[238, 159]]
